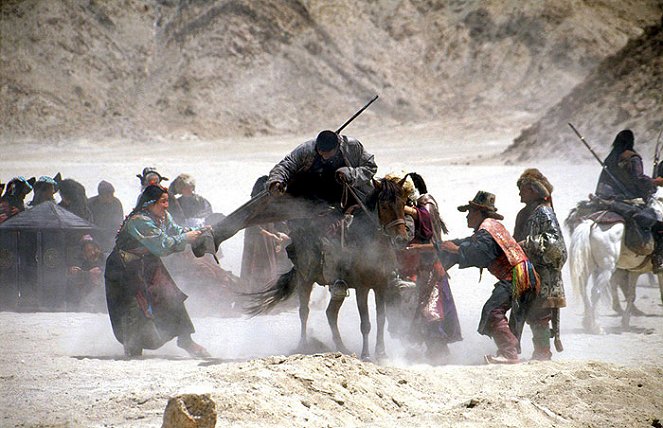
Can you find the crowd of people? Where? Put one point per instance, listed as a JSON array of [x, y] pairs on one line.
[[147, 309]]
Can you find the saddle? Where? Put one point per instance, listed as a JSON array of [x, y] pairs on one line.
[[638, 220]]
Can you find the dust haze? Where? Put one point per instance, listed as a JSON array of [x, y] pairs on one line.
[[223, 90]]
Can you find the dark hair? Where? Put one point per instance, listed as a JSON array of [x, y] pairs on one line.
[[151, 193], [327, 141], [624, 140]]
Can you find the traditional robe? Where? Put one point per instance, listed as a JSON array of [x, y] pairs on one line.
[[145, 305]]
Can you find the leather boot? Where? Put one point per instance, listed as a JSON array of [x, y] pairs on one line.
[[507, 343], [541, 341]]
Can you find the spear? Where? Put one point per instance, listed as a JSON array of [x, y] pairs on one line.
[[657, 152], [605, 168]]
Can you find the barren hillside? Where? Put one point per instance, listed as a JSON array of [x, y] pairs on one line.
[[144, 69], [625, 91]]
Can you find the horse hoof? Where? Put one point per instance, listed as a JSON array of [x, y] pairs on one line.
[[596, 329], [618, 309], [637, 312], [367, 359]]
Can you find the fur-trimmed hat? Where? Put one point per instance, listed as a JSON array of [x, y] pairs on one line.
[[485, 202], [538, 181], [147, 171], [408, 185]]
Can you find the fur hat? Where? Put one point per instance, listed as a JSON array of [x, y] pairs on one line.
[[538, 181], [147, 171], [485, 202], [408, 185]]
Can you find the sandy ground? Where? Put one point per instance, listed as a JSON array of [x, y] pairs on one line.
[[66, 369]]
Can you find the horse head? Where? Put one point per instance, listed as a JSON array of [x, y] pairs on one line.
[[388, 199]]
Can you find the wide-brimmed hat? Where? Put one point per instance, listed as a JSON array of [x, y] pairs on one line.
[[485, 202]]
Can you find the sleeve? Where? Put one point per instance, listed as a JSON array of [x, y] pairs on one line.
[[545, 244], [479, 250], [156, 240], [645, 184], [364, 167], [293, 162]]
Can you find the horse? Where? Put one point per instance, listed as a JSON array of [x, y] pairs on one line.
[[368, 260], [598, 251]]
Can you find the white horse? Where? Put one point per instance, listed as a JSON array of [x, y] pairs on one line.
[[598, 251]]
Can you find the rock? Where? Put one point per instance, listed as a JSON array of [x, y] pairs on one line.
[[190, 411]]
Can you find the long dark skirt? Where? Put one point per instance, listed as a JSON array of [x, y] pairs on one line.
[[145, 306]]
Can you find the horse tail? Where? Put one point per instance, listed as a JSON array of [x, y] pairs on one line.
[[264, 301], [580, 252]]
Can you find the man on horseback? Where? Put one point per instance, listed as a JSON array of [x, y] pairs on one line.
[[320, 169], [624, 188], [491, 246], [538, 233]]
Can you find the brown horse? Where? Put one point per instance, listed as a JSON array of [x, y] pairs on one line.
[[367, 259]]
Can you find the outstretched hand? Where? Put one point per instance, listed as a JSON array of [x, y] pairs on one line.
[[449, 247], [192, 235]]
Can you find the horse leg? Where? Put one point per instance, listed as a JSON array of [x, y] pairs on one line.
[[380, 314], [629, 293], [365, 326], [304, 289], [588, 317], [660, 285], [334, 306], [618, 280], [601, 284]]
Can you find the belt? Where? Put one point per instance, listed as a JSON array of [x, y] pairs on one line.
[[128, 256]]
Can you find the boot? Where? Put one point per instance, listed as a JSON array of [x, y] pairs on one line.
[[507, 344], [194, 349], [541, 342]]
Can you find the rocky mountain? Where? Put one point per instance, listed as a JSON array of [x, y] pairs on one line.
[[625, 91], [142, 69]]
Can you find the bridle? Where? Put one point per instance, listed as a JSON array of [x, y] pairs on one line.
[[382, 228]]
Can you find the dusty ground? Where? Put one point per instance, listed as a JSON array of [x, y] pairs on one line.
[[66, 369]]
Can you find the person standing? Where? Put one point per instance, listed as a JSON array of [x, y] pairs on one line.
[[108, 213], [191, 208], [263, 256], [435, 321], [539, 234], [145, 306], [491, 246]]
